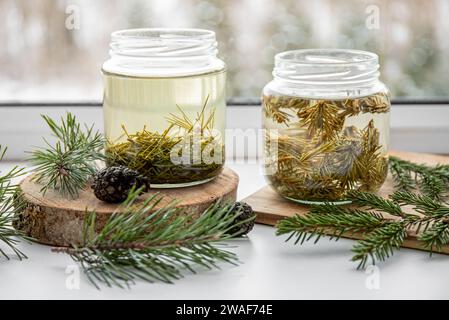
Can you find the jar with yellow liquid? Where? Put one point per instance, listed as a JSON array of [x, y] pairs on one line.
[[164, 105], [327, 116]]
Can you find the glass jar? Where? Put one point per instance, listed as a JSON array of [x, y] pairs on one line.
[[326, 116], [164, 105]]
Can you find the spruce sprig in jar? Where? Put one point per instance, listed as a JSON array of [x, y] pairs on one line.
[[164, 105], [326, 116]]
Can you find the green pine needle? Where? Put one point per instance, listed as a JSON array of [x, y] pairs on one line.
[[9, 208], [6, 184], [159, 246], [67, 165]]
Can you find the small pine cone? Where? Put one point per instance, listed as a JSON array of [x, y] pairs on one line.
[[112, 184], [246, 212]]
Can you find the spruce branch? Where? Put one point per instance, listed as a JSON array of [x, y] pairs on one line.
[[401, 175], [381, 237], [432, 181], [67, 165], [421, 203], [380, 244], [134, 244], [433, 186], [328, 220], [435, 218], [374, 202], [9, 208], [436, 236]]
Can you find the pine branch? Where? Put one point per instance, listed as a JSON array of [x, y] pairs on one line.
[[6, 184], [67, 165], [153, 247], [9, 208]]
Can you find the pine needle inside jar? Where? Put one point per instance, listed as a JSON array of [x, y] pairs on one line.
[[188, 151], [326, 116], [318, 150]]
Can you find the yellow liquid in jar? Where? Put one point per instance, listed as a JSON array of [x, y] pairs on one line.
[[304, 165], [135, 103]]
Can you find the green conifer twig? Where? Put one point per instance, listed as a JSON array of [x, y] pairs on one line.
[[380, 243], [8, 209], [134, 244], [432, 181], [67, 165], [380, 236]]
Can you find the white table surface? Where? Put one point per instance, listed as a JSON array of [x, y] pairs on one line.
[[270, 269]]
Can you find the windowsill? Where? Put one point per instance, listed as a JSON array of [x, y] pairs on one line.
[[283, 267]]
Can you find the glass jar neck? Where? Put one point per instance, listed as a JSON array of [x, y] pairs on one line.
[[332, 72], [163, 52]]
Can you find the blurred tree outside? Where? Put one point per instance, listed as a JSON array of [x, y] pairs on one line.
[[41, 59]]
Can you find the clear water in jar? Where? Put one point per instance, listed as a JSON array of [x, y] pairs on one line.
[[169, 129], [318, 150]]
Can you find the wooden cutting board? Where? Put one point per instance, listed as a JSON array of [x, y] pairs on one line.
[[271, 207], [56, 221]]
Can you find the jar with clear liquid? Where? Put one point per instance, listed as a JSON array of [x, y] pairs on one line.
[[164, 105], [326, 116]]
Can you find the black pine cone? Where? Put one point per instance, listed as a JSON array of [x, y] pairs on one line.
[[112, 184], [246, 212]]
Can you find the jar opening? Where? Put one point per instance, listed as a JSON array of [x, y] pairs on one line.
[[163, 33], [321, 67], [163, 52], [327, 56]]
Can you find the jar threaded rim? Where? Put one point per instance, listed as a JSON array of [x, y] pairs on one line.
[[327, 67], [163, 52]]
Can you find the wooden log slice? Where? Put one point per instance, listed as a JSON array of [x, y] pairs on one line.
[[57, 221]]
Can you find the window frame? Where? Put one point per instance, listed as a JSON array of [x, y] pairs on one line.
[[416, 125], [234, 101]]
